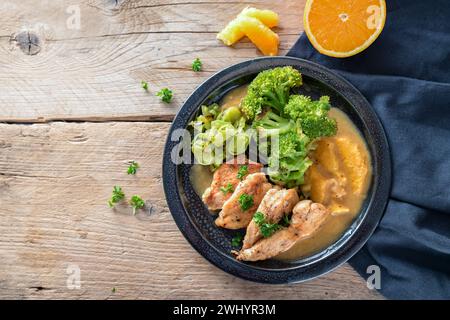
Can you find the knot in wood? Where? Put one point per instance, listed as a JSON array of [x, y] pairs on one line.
[[28, 42]]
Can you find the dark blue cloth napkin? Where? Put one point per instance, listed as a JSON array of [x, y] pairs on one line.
[[405, 75]]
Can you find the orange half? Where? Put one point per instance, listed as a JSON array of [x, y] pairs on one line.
[[343, 28]]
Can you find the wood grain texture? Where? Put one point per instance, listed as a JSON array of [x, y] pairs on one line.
[[94, 73], [55, 180]]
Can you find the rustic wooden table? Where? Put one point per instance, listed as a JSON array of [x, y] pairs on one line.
[[72, 113]]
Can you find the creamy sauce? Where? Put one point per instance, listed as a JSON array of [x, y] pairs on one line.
[[339, 178], [201, 178], [234, 97]]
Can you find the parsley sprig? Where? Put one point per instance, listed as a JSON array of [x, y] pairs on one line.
[[286, 221], [237, 240], [144, 85], [197, 65], [228, 188], [242, 172], [245, 201], [117, 196], [137, 203], [132, 168], [165, 94], [267, 229]]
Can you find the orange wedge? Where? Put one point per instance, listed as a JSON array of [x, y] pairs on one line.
[[232, 33], [262, 37], [343, 28]]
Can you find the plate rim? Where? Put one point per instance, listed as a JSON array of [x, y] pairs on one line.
[[363, 231]]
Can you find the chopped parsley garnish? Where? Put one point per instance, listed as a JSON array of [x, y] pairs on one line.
[[117, 196], [137, 203], [165, 95], [245, 201], [144, 85], [237, 240], [267, 229], [259, 218], [243, 170], [286, 220], [113, 290], [133, 167], [197, 65], [228, 188]]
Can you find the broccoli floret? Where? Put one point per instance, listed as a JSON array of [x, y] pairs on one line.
[[288, 143], [270, 88], [289, 162], [290, 172], [288, 159], [293, 145], [272, 123], [312, 115]]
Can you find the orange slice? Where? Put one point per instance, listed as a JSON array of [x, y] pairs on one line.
[[343, 28], [262, 37], [232, 33]]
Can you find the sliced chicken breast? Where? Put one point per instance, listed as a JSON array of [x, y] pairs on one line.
[[275, 204], [225, 175], [233, 215], [306, 219]]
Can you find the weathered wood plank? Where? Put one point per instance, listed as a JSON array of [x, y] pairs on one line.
[[93, 73], [54, 182]]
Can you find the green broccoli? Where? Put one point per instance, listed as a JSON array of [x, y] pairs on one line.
[[272, 123], [270, 88], [288, 159], [293, 144], [312, 115], [289, 172]]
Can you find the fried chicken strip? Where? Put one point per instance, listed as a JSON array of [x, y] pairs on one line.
[[306, 219], [232, 215], [275, 204], [226, 174]]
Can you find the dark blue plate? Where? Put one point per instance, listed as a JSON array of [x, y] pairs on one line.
[[197, 224]]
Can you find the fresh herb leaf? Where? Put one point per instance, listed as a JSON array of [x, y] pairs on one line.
[[266, 229], [117, 196], [228, 188], [113, 290], [137, 203], [245, 201], [259, 218], [165, 95], [197, 65], [242, 172], [144, 85], [286, 220], [237, 240], [132, 168]]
